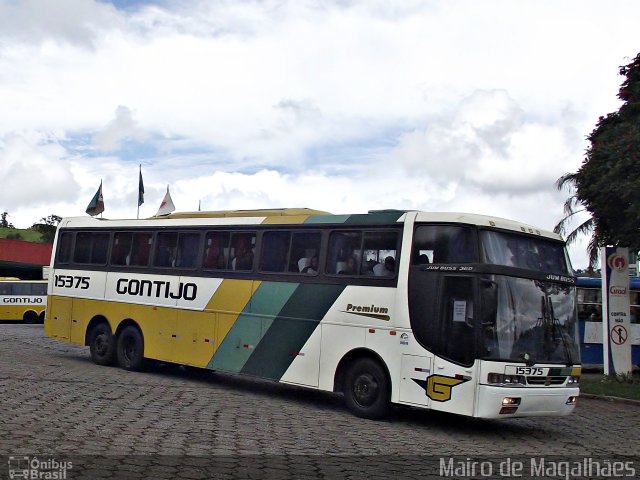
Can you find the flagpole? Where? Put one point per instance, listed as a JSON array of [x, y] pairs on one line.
[[138, 214]]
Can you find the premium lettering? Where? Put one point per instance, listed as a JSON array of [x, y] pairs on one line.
[[379, 313], [366, 309], [156, 288]]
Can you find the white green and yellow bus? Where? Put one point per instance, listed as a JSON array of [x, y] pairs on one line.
[[22, 300], [460, 313]]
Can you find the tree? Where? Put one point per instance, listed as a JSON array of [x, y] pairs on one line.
[[4, 222], [47, 228], [607, 185]]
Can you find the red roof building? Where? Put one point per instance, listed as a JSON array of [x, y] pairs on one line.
[[23, 259]]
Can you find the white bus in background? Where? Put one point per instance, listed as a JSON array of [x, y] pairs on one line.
[[460, 313]]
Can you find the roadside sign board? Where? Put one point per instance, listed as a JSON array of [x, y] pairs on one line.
[[616, 320]]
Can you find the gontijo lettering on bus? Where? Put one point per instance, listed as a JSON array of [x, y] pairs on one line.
[[21, 300], [156, 288]]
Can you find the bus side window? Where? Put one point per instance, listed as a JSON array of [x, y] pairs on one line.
[[121, 248], [64, 248], [304, 247], [345, 252], [379, 254], [216, 246], [140, 249], [99, 248], [22, 289], [82, 253], [443, 244], [187, 250], [165, 255], [275, 251], [38, 289], [241, 252]]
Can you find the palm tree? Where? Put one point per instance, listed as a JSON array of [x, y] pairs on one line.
[[573, 206]]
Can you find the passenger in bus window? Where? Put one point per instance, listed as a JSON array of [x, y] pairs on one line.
[[367, 267], [349, 267], [312, 268], [386, 269], [243, 259]]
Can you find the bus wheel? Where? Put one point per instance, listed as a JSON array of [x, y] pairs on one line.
[[102, 345], [41, 317], [130, 349], [366, 389], [30, 317]]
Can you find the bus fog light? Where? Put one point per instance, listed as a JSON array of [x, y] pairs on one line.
[[511, 401], [572, 400]]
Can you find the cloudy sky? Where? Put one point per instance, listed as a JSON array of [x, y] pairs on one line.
[[344, 106]]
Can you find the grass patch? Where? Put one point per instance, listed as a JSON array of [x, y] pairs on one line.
[[20, 234], [628, 387]]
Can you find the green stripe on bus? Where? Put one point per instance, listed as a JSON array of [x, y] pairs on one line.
[[251, 325], [291, 329], [376, 218]]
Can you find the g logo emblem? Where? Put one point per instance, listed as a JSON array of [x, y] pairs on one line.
[[439, 387]]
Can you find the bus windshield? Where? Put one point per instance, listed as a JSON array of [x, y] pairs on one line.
[[520, 251], [528, 320]]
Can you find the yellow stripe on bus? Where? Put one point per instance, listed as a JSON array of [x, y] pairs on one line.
[[294, 220]]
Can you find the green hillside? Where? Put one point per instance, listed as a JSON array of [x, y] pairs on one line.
[[21, 234]]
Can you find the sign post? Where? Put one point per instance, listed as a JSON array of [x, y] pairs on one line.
[[616, 322]]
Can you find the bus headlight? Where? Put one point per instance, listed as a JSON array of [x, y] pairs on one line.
[[572, 400], [502, 379], [573, 380]]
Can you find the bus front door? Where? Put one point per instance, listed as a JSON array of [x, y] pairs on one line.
[[451, 386]]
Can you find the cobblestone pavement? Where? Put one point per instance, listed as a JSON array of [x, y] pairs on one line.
[[174, 423]]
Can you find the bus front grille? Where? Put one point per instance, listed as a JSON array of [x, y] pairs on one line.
[[546, 381]]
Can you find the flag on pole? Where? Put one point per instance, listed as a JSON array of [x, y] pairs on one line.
[[167, 206], [96, 205], [140, 189]]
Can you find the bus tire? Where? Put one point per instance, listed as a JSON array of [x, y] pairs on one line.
[[130, 349], [41, 317], [30, 317], [102, 345], [366, 389]]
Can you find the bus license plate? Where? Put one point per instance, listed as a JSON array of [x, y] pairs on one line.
[[527, 371]]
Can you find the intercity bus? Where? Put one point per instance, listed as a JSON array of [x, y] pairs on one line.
[[22, 300], [589, 294], [460, 313]]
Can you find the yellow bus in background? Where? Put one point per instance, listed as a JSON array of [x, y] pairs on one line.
[[22, 300]]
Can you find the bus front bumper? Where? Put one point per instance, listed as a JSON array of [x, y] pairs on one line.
[[504, 402]]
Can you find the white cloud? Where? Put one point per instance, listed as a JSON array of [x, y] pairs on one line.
[[487, 141], [34, 171], [122, 127]]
